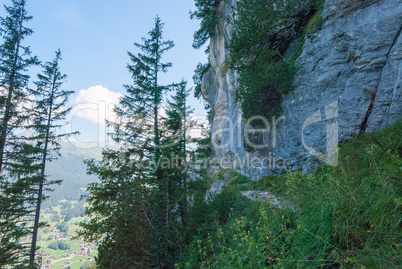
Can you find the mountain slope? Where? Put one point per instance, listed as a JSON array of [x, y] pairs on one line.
[[70, 168]]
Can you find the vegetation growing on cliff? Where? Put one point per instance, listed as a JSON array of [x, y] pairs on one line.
[[262, 33], [197, 78], [206, 13]]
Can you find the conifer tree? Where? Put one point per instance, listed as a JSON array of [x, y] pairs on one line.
[[173, 190], [206, 12], [146, 92], [48, 115], [136, 165], [177, 123], [14, 61], [145, 95], [118, 211], [17, 158]]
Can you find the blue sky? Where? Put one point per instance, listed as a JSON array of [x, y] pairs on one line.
[[94, 37]]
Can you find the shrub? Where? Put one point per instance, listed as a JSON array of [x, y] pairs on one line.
[[53, 245], [55, 217], [344, 217], [63, 227], [262, 33], [63, 246], [59, 245]]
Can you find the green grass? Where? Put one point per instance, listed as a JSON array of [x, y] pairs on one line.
[[75, 262], [297, 52], [346, 217], [74, 244], [314, 24]]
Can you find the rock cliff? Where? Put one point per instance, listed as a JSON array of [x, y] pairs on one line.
[[348, 82]]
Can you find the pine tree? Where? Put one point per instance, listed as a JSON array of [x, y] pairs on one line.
[[14, 60], [178, 123], [145, 95], [207, 13], [17, 157], [138, 132], [118, 212], [50, 110], [173, 190]]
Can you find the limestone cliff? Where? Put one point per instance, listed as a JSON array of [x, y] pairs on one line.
[[348, 81]]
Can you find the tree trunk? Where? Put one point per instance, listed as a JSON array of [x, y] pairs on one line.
[[42, 179], [7, 113]]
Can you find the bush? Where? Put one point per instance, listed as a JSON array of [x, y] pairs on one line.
[[197, 78], [88, 265], [207, 217], [53, 245], [70, 212], [262, 34], [55, 217], [63, 246], [59, 245], [63, 227], [344, 217]]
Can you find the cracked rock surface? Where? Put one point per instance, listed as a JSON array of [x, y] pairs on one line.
[[348, 82], [267, 197]]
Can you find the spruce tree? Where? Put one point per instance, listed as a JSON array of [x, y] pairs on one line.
[[136, 165], [173, 190], [118, 211], [47, 117], [178, 123], [17, 157], [145, 95], [146, 92], [14, 61], [206, 12]]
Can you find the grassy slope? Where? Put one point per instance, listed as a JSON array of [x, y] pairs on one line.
[[347, 217]]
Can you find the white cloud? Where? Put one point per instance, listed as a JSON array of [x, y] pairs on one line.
[[96, 104]]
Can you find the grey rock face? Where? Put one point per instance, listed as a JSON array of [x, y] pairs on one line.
[[219, 184], [269, 198], [348, 82]]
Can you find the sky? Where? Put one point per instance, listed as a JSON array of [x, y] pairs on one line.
[[94, 37]]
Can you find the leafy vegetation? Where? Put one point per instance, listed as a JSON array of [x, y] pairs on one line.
[[72, 211], [199, 71], [348, 216], [262, 34], [150, 209], [63, 227], [59, 245]]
